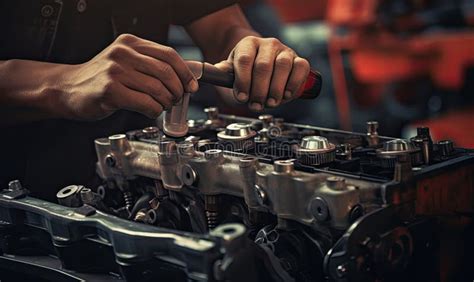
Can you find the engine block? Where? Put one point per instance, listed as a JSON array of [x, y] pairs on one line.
[[262, 200]]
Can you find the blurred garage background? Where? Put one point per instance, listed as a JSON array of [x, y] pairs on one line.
[[403, 63]]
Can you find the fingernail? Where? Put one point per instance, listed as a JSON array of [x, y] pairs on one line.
[[272, 102], [256, 106], [193, 86], [288, 94], [242, 97]]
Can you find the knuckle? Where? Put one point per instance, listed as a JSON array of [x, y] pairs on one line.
[[126, 38], [284, 62], [157, 88], [244, 60], [263, 67], [302, 63], [169, 52], [118, 52], [273, 41], [115, 69], [251, 38], [166, 70]]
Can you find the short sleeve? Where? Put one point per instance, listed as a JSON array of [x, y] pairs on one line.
[[184, 12]]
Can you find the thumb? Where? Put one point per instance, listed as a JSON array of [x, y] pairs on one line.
[[225, 66]]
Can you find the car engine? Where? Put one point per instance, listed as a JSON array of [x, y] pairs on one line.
[[256, 200]]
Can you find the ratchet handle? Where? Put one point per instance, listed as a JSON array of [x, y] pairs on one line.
[[212, 75]]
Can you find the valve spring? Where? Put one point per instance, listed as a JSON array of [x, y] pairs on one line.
[[128, 198], [211, 219]]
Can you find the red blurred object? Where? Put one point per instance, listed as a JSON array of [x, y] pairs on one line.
[[379, 57], [351, 13], [312, 87], [456, 126], [299, 10]]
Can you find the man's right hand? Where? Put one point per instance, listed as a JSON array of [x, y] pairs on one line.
[[132, 74]]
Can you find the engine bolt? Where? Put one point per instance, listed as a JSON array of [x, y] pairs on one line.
[[341, 270], [15, 185], [213, 154], [284, 166]]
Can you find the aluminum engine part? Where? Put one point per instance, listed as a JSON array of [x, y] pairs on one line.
[[395, 148], [315, 150], [238, 135]]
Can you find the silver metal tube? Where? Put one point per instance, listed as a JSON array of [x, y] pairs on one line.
[[175, 122]]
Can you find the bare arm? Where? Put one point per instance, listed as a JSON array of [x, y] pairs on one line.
[[132, 74], [217, 34], [28, 90]]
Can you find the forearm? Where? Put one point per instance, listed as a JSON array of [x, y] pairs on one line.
[[218, 33], [29, 91], [222, 47]]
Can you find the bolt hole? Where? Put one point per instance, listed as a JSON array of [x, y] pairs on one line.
[[152, 215], [396, 252], [320, 210], [248, 159], [188, 175], [228, 230], [67, 191], [101, 191]]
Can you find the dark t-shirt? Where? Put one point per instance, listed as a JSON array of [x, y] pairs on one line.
[[49, 155]]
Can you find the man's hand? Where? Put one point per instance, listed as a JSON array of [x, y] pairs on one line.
[[267, 72], [132, 74]]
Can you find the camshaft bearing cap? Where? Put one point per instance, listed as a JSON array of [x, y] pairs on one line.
[[315, 150], [240, 135]]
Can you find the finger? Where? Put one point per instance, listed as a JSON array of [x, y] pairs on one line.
[[147, 84], [225, 66], [297, 78], [243, 61], [136, 101], [161, 71], [173, 59], [261, 76], [281, 73]]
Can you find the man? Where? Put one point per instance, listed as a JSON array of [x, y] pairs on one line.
[[71, 71]]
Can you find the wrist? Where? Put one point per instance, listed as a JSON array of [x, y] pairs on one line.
[[54, 97]]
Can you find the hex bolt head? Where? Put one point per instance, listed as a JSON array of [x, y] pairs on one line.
[[319, 209], [186, 149], [87, 196], [341, 270], [15, 185], [212, 113], [213, 154], [151, 132]]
